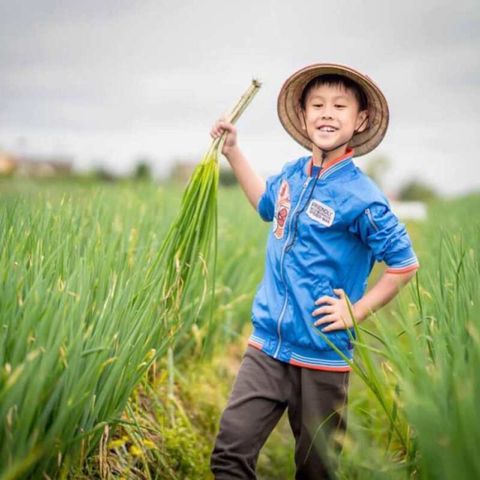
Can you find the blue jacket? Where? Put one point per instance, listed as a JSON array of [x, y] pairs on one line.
[[326, 233]]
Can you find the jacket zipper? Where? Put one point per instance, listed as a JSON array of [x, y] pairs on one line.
[[280, 318], [370, 218]]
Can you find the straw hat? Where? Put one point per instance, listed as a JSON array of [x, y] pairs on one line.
[[288, 106]]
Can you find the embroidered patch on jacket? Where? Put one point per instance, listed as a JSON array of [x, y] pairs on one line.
[[321, 213], [282, 208]]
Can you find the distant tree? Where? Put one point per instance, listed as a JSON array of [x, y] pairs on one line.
[[416, 190], [376, 168], [143, 170], [103, 174], [227, 177]]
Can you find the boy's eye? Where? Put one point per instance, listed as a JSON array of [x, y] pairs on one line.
[[340, 106]]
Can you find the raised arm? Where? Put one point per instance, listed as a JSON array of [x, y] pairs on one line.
[[252, 184]]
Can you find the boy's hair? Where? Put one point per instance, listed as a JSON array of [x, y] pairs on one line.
[[332, 79]]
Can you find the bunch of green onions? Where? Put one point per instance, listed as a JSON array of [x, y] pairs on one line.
[[192, 238]]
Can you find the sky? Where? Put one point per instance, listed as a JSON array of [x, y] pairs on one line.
[[107, 83]]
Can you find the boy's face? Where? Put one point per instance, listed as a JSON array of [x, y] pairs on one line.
[[332, 116]]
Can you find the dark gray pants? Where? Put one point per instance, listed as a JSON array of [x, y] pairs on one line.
[[264, 387]]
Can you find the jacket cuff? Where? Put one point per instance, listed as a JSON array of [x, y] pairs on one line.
[[403, 263]]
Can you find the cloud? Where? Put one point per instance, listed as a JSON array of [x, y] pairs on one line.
[[151, 76]]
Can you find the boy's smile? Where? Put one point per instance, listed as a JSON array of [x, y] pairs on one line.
[[331, 118]]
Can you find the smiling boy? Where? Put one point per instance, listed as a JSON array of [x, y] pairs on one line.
[[330, 224]]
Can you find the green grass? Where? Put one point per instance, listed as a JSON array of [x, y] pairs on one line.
[[417, 418], [82, 314], [82, 318], [78, 325]]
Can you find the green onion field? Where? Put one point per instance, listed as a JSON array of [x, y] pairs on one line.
[[101, 377]]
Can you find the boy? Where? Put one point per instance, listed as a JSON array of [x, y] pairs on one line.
[[330, 224]]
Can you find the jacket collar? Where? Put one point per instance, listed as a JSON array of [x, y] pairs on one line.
[[332, 165]]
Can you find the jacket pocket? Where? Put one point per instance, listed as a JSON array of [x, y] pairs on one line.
[[263, 316]]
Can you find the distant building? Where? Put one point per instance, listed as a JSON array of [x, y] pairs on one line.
[[31, 166], [43, 166], [409, 210], [182, 171], [8, 163]]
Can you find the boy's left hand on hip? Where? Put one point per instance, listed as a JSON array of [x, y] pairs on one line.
[[336, 310]]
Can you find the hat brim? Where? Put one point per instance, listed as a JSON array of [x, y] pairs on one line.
[[288, 106]]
